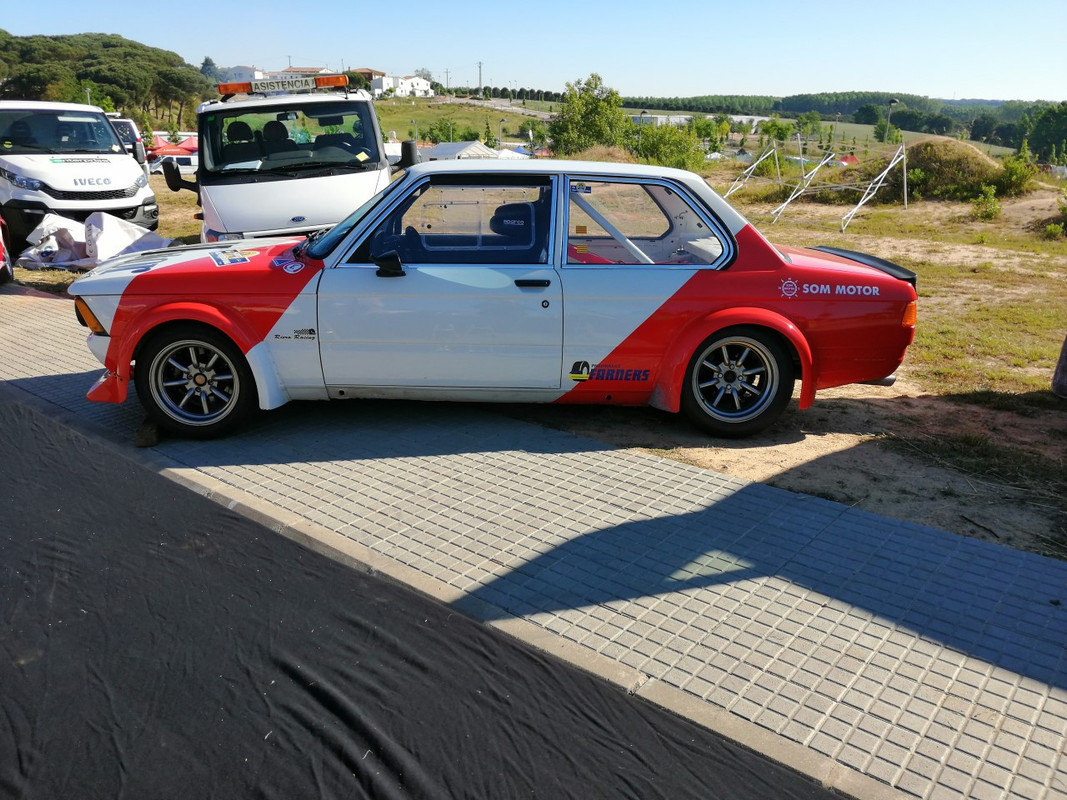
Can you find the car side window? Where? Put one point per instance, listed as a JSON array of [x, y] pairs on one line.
[[636, 222], [476, 221]]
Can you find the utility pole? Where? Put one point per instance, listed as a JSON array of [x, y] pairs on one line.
[[479, 77]]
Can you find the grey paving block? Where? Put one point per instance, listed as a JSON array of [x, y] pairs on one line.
[[932, 663]]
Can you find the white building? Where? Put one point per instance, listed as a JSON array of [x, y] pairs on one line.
[[409, 86]]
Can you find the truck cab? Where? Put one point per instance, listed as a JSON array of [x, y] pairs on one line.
[[284, 157]]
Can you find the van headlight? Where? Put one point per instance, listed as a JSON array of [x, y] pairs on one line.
[[30, 184], [142, 181]]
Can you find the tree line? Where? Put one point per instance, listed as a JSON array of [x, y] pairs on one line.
[[1006, 123], [105, 69]]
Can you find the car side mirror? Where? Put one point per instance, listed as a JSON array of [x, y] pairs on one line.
[[139, 154], [389, 265]]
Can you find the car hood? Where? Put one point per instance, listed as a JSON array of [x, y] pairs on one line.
[[236, 267]]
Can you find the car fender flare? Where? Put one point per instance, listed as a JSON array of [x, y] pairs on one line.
[[122, 351], [667, 393]]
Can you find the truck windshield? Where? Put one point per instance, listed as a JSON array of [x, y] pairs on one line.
[[297, 135], [25, 131]]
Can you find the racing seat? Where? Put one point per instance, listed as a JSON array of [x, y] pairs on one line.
[[521, 236], [241, 144], [515, 221], [276, 138]]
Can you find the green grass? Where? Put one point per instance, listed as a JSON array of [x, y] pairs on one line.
[[397, 115]]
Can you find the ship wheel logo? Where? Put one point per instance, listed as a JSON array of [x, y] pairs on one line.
[[790, 288]]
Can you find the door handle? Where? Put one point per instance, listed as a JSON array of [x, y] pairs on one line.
[[534, 283]]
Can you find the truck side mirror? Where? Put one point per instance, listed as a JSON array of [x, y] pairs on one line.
[[139, 154], [175, 181], [409, 155]]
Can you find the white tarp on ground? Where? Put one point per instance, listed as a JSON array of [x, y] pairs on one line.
[[61, 243]]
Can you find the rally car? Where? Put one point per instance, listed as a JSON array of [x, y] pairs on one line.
[[535, 281]]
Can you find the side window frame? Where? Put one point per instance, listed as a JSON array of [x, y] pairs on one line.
[[696, 205], [360, 254]]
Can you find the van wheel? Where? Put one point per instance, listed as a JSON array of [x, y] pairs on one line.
[[194, 382], [738, 382]]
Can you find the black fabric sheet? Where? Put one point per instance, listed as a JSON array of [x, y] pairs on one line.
[[155, 645]]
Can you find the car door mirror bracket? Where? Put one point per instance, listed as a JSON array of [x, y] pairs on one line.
[[389, 265]]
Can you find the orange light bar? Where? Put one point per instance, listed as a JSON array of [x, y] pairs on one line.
[[324, 81], [235, 88]]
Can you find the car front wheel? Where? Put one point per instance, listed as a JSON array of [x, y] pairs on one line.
[[739, 382], [194, 382]]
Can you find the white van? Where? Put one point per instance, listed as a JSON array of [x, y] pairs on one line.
[[65, 158], [277, 162]]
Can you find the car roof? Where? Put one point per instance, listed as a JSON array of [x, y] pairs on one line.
[[549, 165], [583, 169]]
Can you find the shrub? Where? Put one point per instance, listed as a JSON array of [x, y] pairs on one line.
[[1054, 230], [986, 207], [1015, 177]]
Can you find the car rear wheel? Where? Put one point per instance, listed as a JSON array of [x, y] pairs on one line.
[[739, 382], [194, 382]]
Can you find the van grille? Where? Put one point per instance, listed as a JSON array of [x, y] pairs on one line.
[[110, 194]]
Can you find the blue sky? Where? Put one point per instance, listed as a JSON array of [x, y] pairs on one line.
[[937, 48]]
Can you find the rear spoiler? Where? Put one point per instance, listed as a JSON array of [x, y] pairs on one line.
[[888, 267]]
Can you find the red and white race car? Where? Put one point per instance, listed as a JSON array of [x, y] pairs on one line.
[[535, 281]]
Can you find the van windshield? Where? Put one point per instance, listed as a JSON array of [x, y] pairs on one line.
[[28, 131], [291, 137]]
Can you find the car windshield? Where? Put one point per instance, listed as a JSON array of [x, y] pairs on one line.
[[324, 244], [293, 136], [27, 131]]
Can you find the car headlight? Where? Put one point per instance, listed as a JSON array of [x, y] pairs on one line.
[[142, 181], [215, 236], [30, 184]]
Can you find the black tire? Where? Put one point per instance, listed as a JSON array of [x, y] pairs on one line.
[[194, 382], [738, 382]]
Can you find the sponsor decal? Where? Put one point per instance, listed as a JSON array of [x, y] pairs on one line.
[[59, 160], [581, 188], [144, 265], [791, 288], [299, 334], [584, 371], [228, 258], [288, 265]]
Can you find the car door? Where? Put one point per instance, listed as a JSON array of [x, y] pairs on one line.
[[453, 288], [630, 245]]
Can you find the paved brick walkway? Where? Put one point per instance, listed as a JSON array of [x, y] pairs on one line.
[[886, 658]]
